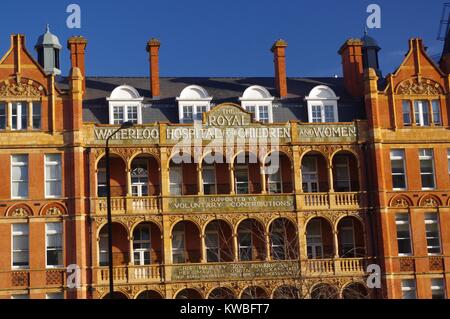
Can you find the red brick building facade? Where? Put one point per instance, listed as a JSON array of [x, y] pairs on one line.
[[362, 179]]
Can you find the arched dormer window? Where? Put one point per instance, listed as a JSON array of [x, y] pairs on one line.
[[257, 100], [192, 103], [322, 105], [125, 105]]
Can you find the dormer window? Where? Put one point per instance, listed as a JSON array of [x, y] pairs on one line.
[[125, 105], [257, 100], [192, 103], [322, 105]]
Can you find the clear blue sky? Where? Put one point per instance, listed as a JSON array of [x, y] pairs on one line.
[[223, 38]]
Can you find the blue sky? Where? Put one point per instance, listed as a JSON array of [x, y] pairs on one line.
[[223, 38]]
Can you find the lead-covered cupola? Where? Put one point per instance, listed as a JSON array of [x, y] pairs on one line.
[[48, 49]]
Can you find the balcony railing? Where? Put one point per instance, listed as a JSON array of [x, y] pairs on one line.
[[122, 205], [232, 270], [130, 274], [351, 200], [346, 266]]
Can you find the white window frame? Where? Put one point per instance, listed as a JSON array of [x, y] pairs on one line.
[[394, 157], [430, 220], [315, 100], [419, 106], [53, 233], [125, 97], [404, 222], [254, 99], [27, 181], [55, 164], [311, 241], [142, 251], [196, 97], [211, 169], [345, 166], [426, 157], [22, 110], [176, 184], [23, 232]]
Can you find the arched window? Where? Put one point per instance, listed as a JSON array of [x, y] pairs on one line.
[[322, 105], [192, 103], [125, 105], [258, 101]]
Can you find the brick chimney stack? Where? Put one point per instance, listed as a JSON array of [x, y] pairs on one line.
[[352, 64], [279, 52], [153, 49], [77, 46]]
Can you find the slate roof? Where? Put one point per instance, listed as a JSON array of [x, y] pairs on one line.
[[165, 109]]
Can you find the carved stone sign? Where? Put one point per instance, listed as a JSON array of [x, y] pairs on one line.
[[221, 203], [288, 269], [328, 133], [134, 135], [20, 90], [229, 121]]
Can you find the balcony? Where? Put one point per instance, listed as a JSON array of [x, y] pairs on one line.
[[233, 270], [341, 266], [126, 205], [129, 274], [350, 200]]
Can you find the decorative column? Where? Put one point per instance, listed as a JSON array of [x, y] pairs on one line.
[[235, 247], [330, 177], [336, 244], [200, 179], [263, 179], [203, 257], [268, 255], [232, 184], [129, 191], [9, 116], [131, 255]]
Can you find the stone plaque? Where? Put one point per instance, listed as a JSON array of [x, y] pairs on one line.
[[237, 203], [328, 133], [249, 270]]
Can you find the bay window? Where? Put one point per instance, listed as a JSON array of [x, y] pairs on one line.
[[53, 175], [19, 176]]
